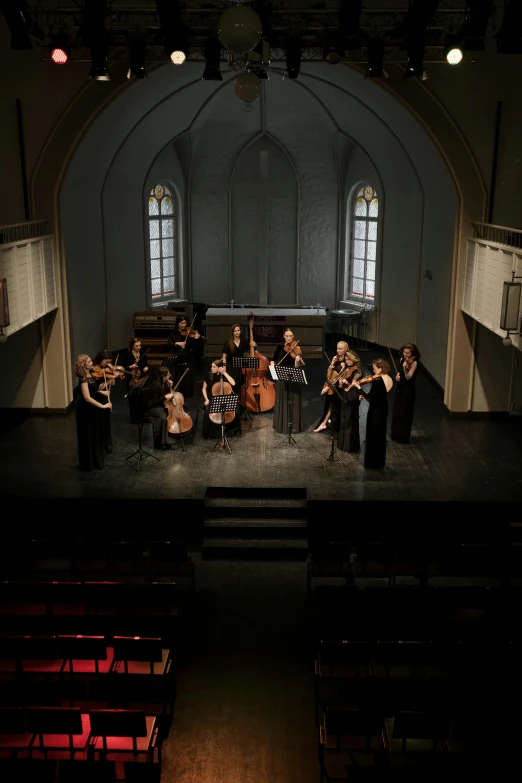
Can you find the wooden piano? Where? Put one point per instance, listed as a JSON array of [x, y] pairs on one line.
[[153, 327]]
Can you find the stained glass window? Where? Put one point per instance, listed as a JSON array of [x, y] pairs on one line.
[[162, 243], [364, 243]]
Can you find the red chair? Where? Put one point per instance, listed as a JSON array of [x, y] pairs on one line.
[[84, 654], [141, 655], [124, 731], [58, 729]]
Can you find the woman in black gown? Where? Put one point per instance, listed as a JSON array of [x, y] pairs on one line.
[[235, 347], [349, 439], [404, 403], [160, 390], [375, 450], [332, 402], [89, 416], [280, 420], [103, 361], [210, 428], [183, 349], [133, 360]]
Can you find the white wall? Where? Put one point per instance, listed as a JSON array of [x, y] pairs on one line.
[[492, 377]]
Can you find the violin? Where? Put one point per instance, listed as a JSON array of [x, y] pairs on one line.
[[294, 350], [136, 372], [178, 420], [187, 332], [109, 372], [336, 377]]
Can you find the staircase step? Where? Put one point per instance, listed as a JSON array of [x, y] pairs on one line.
[[254, 512], [255, 502], [254, 549], [256, 528], [297, 493]]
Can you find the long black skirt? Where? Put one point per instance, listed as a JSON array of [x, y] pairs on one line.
[[375, 451], [280, 420], [88, 428], [349, 439], [402, 416], [158, 416]]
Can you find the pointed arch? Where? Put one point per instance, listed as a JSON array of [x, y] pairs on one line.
[[163, 246]]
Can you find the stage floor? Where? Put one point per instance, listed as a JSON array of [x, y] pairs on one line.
[[448, 459]]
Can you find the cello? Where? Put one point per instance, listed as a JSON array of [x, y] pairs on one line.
[[178, 420], [258, 393], [219, 388]]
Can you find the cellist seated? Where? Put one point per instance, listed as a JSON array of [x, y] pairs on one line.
[[211, 388], [160, 391]]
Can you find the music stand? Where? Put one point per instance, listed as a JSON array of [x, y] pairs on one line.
[[140, 453], [223, 403], [249, 363], [289, 375]]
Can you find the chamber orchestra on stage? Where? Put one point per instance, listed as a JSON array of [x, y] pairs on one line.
[[158, 395]]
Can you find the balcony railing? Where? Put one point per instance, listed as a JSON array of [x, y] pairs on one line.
[[19, 232], [512, 237]]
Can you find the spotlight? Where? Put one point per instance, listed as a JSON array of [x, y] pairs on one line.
[[212, 70], [176, 46], [333, 52], [179, 54], [293, 57], [99, 68], [453, 51], [416, 48], [60, 48], [137, 48], [375, 54], [94, 35]]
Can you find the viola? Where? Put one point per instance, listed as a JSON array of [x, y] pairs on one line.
[[221, 387], [178, 420], [294, 350], [136, 372], [258, 393], [335, 377]]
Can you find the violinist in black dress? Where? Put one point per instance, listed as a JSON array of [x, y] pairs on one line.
[[103, 362], [210, 429], [183, 348], [135, 364], [349, 439], [89, 416], [404, 402], [235, 347], [332, 401], [375, 450], [284, 390]]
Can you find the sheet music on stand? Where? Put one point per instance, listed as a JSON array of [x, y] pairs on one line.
[[172, 361], [247, 362], [289, 375], [222, 404]]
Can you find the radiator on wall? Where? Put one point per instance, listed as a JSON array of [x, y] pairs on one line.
[[488, 266], [30, 271]]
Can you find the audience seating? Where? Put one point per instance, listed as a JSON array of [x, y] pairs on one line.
[[140, 656], [124, 731]]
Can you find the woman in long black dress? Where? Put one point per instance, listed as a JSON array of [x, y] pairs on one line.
[[375, 451], [280, 420], [235, 347], [349, 439], [210, 428], [133, 360], [332, 402], [160, 390], [183, 349], [404, 403], [103, 361], [89, 416]]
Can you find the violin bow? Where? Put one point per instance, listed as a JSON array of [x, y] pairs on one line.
[[107, 388], [286, 354], [391, 357]]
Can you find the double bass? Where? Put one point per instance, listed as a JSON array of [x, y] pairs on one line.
[[219, 388], [178, 420], [258, 393]]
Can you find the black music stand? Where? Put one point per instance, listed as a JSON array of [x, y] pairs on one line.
[[249, 363], [223, 403], [140, 453], [289, 375], [332, 456]]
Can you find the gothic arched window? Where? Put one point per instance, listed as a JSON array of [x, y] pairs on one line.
[[365, 212], [163, 244]]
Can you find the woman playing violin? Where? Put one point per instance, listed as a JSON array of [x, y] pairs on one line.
[[183, 348], [210, 429], [89, 416], [289, 355], [404, 402], [136, 366], [332, 402], [375, 450], [160, 390], [106, 375], [349, 439]]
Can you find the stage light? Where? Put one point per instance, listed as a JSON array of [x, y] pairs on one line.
[[375, 54], [94, 35], [99, 66], [60, 48], [349, 15], [137, 47], [212, 70], [509, 37], [20, 23], [453, 51], [179, 54], [293, 57], [415, 69], [239, 29]]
